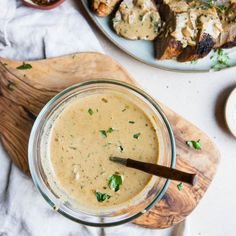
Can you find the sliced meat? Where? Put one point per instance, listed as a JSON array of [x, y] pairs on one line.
[[167, 47], [227, 38], [137, 19], [169, 44], [104, 7], [200, 50], [194, 25], [206, 28]]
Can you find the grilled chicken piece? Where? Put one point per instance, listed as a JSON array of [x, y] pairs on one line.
[[137, 19], [200, 50], [104, 7], [194, 26], [167, 47], [227, 38], [206, 28], [169, 44]]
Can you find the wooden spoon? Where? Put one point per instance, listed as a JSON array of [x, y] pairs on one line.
[[158, 170]]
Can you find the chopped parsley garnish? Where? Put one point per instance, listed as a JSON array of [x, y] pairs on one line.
[[103, 133], [194, 144], [24, 66], [90, 111], [180, 186], [104, 100], [114, 182], [101, 197], [194, 62], [126, 107], [211, 3], [121, 148], [110, 130], [136, 136], [131, 122], [222, 8], [221, 59]]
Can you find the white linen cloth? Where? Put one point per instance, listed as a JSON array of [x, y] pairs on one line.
[[28, 34]]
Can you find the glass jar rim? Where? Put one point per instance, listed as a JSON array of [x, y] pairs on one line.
[[47, 108]]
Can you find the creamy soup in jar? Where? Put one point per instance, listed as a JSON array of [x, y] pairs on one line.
[[85, 134]]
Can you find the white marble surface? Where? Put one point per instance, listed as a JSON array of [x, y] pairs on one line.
[[200, 98]]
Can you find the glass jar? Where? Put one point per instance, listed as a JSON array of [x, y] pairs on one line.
[[39, 139]]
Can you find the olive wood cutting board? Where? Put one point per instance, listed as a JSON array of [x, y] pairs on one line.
[[23, 93]]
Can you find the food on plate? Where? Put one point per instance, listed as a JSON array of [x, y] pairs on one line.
[[185, 30], [194, 26], [227, 38], [170, 42], [137, 20], [104, 7], [206, 27], [85, 134]]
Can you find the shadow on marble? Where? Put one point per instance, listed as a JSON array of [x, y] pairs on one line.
[[220, 108]]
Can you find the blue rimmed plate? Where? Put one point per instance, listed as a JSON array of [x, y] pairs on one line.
[[144, 50]]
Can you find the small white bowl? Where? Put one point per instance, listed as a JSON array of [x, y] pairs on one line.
[[230, 112]]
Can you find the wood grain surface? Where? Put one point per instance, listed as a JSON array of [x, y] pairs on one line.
[[23, 93]]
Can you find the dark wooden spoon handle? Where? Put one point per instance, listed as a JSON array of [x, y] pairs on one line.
[[163, 171]]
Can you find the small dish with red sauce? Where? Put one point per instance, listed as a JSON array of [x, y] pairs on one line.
[[43, 4]]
